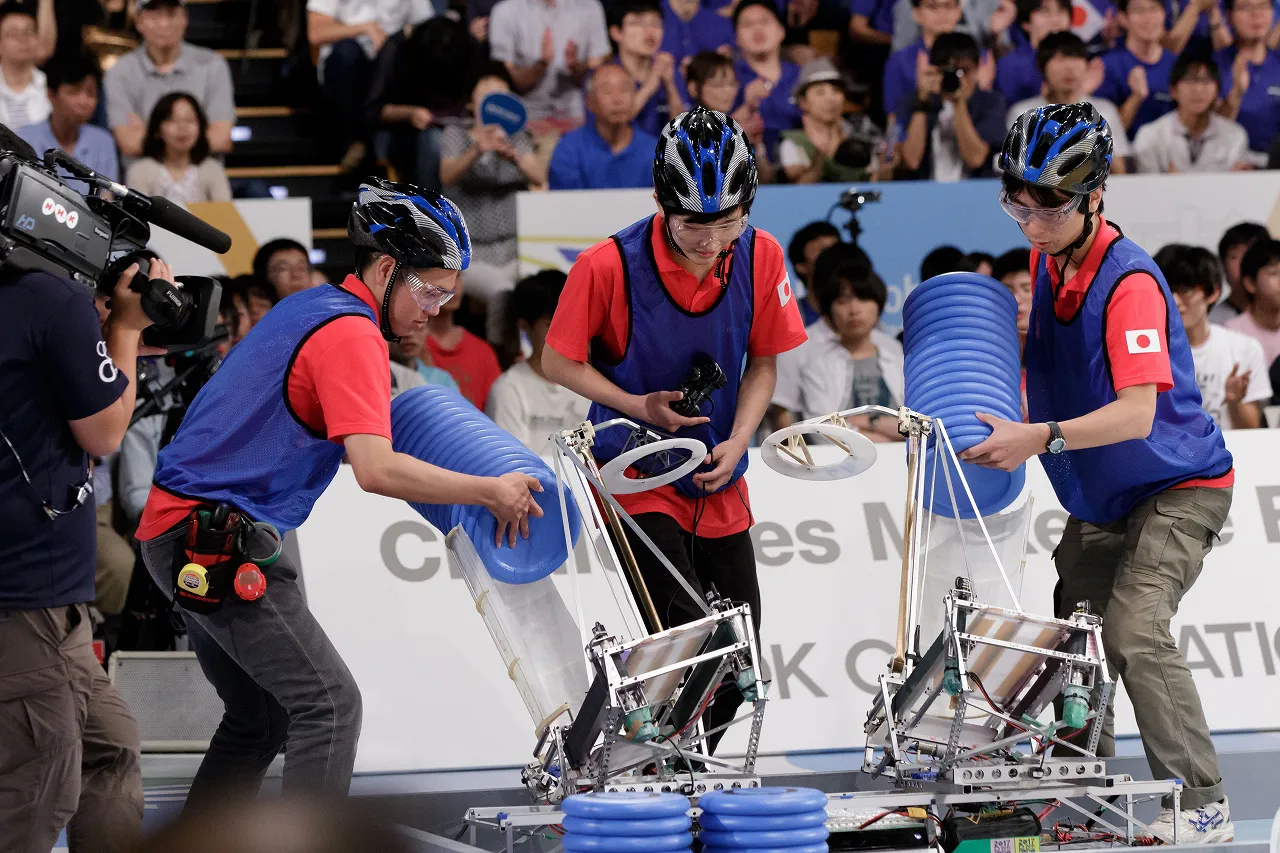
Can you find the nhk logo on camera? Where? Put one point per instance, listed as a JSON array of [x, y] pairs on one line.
[[60, 213]]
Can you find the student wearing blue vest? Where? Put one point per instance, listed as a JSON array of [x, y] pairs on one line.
[[696, 280], [1115, 417], [306, 387]]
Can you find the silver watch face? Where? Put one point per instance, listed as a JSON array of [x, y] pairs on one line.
[[1057, 445]]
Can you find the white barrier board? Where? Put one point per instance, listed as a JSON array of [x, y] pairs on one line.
[[436, 694]]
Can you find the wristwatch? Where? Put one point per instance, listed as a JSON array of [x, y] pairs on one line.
[[1057, 443]]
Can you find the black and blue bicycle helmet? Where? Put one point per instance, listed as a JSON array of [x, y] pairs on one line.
[[1066, 147], [704, 164], [417, 227]]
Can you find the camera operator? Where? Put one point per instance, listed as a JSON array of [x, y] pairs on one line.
[[692, 285], [69, 748], [954, 124]]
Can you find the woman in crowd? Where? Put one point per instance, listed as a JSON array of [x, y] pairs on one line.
[[175, 160]]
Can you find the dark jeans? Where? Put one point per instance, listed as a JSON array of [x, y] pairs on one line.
[[280, 679], [1134, 572], [346, 75], [414, 153], [727, 563]]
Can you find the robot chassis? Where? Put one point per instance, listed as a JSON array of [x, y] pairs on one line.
[[955, 726]]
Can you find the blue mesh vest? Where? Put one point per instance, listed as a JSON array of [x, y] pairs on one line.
[[663, 338], [241, 441], [1069, 375]]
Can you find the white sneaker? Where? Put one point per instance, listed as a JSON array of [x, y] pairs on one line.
[[1209, 824]]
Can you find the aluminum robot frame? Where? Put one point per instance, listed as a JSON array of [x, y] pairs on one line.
[[955, 723], [639, 726]]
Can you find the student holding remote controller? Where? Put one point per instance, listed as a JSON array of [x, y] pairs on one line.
[[691, 297]]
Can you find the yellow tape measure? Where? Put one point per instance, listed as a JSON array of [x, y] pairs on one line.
[[194, 578]]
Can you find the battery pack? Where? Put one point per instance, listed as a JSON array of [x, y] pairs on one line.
[[1016, 831]]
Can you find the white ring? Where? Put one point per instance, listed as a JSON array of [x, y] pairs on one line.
[[615, 478], [860, 450]]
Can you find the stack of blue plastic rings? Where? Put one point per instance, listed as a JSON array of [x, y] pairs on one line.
[[438, 425], [627, 822], [764, 820], [962, 357]]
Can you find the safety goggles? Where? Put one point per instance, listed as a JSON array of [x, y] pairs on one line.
[[1048, 217], [698, 235], [425, 295]]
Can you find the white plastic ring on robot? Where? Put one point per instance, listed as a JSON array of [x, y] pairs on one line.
[[613, 474], [860, 452]]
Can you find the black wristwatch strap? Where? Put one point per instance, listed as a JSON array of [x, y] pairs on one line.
[[1055, 434]]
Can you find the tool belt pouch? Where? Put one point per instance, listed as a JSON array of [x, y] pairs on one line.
[[204, 571]]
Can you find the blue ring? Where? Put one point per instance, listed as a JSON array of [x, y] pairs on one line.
[[577, 843], [761, 823], [936, 364], [763, 801], [625, 805], [644, 826], [985, 304], [962, 325], [799, 837], [987, 484], [1005, 347]]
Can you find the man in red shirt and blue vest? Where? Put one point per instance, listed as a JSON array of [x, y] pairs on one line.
[[1117, 422], [264, 438], [694, 282]]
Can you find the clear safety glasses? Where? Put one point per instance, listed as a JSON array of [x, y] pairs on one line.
[[1049, 217], [700, 235], [427, 296]]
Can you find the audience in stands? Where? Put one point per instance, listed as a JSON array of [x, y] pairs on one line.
[[464, 356], [412, 352], [1137, 72], [285, 264], [979, 262], [952, 126], [857, 365], [1260, 278], [805, 246], [1017, 75], [260, 297], [1013, 270], [934, 18], [1235, 241], [635, 27], [713, 84], [1193, 137], [482, 169], [690, 27], [162, 64], [1199, 19], [73, 82], [767, 79], [349, 34], [1063, 61], [941, 259], [420, 78], [176, 162], [1231, 369], [522, 400], [550, 47], [24, 96], [608, 151], [827, 147], [1249, 72]]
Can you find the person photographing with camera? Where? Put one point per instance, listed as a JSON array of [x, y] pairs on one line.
[[952, 123], [260, 443], [691, 297], [69, 747]]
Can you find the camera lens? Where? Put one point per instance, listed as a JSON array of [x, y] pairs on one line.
[[951, 80]]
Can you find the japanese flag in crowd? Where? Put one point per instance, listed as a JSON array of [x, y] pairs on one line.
[[1086, 20]]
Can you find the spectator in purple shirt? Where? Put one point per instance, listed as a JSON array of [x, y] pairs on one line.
[[635, 27], [1250, 72], [759, 30], [1137, 72], [690, 27], [1198, 20], [608, 151], [934, 17], [1017, 75]]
